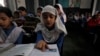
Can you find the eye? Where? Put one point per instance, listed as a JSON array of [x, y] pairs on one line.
[[52, 16], [45, 16], [2, 18]]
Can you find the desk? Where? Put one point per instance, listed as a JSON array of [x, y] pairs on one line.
[[29, 50]]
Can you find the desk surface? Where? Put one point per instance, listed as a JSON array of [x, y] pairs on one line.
[[29, 50]]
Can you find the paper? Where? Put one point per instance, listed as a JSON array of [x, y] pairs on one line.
[[6, 46], [29, 50], [19, 50], [53, 51]]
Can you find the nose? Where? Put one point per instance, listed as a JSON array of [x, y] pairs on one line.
[[48, 19]]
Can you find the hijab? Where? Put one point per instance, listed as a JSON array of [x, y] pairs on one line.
[[62, 12]]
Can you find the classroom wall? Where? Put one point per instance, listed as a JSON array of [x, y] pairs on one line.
[[85, 4], [76, 3], [20, 3]]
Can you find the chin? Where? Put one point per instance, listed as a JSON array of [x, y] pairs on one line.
[[49, 26], [4, 27]]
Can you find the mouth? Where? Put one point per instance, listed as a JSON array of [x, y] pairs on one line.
[[0, 25], [47, 23]]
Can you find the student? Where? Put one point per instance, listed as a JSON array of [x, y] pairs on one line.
[[16, 15], [23, 12], [9, 33], [61, 13], [39, 10], [51, 30]]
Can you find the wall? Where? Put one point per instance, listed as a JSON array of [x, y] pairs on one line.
[[20, 3], [85, 4], [98, 5], [11, 4], [64, 3], [76, 3]]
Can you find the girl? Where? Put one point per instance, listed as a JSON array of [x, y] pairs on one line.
[[51, 30], [9, 33], [61, 13]]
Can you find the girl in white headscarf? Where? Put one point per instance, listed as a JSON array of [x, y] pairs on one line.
[[51, 30], [61, 13]]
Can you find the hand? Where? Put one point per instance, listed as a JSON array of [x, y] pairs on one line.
[[42, 45]]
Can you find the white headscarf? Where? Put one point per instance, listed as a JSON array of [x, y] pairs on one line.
[[51, 36], [62, 12]]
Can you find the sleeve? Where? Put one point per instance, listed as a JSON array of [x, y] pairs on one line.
[[39, 36], [60, 41], [20, 38]]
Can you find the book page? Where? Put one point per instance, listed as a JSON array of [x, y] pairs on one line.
[[19, 50], [29, 50], [53, 51], [6, 46]]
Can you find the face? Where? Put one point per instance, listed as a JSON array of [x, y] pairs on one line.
[[59, 12], [16, 15], [48, 19], [98, 15], [4, 20], [38, 13], [22, 13]]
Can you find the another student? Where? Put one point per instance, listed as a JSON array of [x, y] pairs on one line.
[[16, 15], [61, 13], [51, 30], [9, 33], [23, 13], [39, 10]]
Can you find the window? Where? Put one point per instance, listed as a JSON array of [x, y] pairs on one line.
[[2, 3]]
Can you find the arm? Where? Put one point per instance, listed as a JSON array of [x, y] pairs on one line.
[[60, 41], [39, 36], [40, 43]]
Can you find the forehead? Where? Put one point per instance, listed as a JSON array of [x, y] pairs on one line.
[[2, 14], [47, 13]]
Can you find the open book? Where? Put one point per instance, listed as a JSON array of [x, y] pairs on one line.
[[19, 50], [4, 47], [29, 50], [52, 51]]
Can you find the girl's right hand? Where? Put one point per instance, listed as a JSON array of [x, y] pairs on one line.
[[42, 45]]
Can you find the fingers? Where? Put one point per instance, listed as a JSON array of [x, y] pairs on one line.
[[39, 45], [42, 45], [47, 47]]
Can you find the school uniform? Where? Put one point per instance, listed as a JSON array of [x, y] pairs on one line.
[[59, 41], [12, 35]]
